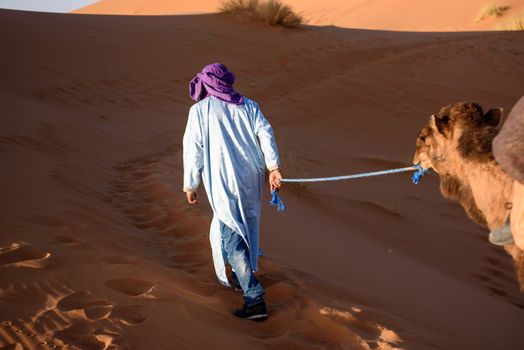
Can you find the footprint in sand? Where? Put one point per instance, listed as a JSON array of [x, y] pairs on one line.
[[85, 336], [190, 260], [492, 261], [93, 308], [121, 260], [153, 209], [23, 256], [67, 240], [281, 293], [497, 291], [496, 278], [131, 286], [130, 315]]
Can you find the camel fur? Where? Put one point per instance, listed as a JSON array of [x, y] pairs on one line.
[[457, 145]]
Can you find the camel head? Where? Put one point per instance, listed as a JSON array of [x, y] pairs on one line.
[[457, 133], [457, 144]]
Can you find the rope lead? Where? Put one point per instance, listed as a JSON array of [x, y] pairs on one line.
[[415, 178]]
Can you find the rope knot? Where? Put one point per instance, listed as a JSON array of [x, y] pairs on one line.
[[417, 175], [276, 201]]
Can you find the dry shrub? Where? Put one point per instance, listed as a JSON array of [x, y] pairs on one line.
[[491, 11], [244, 7], [514, 23], [272, 12]]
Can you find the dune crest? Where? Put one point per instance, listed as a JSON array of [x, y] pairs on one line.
[[404, 15]]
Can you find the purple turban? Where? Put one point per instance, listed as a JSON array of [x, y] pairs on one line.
[[214, 80]]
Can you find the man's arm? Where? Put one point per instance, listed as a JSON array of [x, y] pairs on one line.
[[192, 156], [268, 144]]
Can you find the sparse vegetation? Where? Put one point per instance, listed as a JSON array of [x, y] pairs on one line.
[[514, 23], [272, 12], [491, 10], [245, 7]]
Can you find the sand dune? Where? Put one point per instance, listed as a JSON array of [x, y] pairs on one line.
[[150, 7], [409, 15], [98, 249]]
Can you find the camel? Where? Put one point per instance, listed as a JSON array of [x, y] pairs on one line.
[[457, 145]]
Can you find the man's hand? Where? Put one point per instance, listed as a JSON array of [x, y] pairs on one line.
[[192, 198], [274, 180]]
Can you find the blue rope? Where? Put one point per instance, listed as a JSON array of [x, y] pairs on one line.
[[275, 200], [417, 175], [357, 176], [415, 178]]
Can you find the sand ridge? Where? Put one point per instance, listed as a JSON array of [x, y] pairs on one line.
[[405, 15]]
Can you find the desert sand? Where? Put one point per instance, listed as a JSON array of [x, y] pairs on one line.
[[99, 250], [409, 15]]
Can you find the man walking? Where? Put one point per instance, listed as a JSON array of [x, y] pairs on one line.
[[229, 143]]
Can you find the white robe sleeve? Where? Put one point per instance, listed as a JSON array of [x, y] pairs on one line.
[[266, 138], [192, 153]]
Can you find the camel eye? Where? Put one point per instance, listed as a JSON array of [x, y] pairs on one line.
[[443, 119], [425, 141]]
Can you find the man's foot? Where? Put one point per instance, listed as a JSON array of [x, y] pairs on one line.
[[257, 312]]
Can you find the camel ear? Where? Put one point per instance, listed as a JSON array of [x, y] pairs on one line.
[[440, 123], [493, 117]]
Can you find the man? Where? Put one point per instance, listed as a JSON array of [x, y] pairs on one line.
[[229, 142], [508, 148]]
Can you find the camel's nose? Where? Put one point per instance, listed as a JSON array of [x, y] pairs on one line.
[[416, 158]]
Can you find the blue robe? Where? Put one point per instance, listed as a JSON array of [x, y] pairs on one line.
[[230, 145]]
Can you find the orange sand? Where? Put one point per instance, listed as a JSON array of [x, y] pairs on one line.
[[410, 15], [98, 249]]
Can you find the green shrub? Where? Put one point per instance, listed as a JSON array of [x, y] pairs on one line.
[[272, 12], [514, 23], [491, 11]]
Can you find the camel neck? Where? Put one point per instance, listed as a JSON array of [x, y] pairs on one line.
[[491, 189]]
